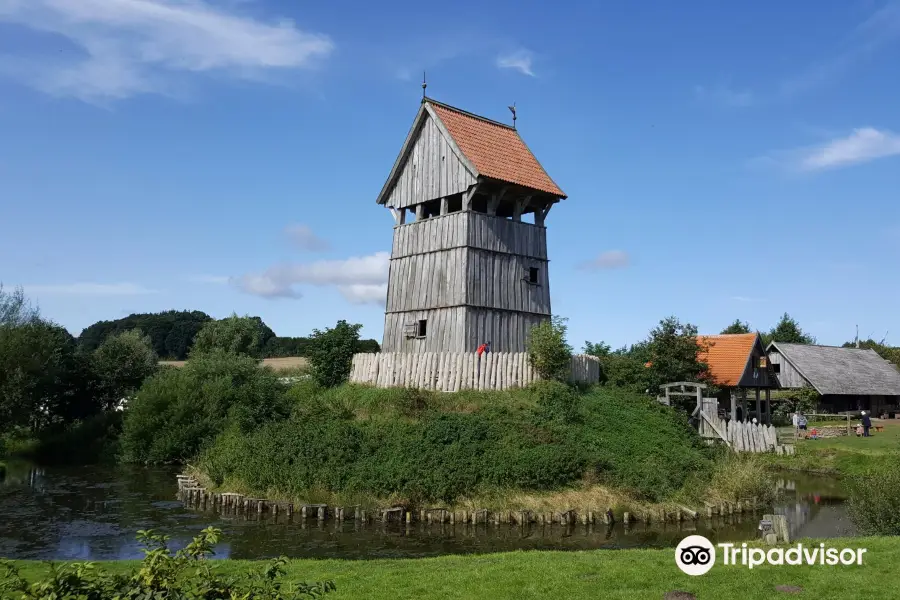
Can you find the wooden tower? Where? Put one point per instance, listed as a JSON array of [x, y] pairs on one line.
[[469, 257]]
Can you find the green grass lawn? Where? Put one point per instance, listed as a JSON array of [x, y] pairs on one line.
[[846, 455], [592, 574]]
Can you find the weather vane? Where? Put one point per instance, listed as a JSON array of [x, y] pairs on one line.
[[512, 109], [424, 85]]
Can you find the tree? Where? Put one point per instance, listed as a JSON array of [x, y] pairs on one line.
[[44, 380], [121, 364], [788, 331], [548, 350], [15, 308], [236, 335], [672, 352], [737, 327], [171, 332], [178, 411], [331, 353], [888, 353]]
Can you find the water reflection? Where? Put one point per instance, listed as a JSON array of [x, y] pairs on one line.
[[94, 512]]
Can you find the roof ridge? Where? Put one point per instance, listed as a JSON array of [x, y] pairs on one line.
[[723, 334], [468, 114]]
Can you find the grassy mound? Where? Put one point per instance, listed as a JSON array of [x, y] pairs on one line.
[[417, 446]]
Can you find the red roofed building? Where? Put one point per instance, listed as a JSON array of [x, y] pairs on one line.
[[469, 260], [738, 363]]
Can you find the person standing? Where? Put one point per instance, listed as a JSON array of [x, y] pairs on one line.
[[866, 423]]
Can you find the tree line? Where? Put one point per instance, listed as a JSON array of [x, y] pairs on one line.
[[50, 381], [172, 333]]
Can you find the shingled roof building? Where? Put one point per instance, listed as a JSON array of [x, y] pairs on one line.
[[849, 379], [738, 364], [470, 268]]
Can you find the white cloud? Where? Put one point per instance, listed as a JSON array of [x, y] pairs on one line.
[[360, 279], [520, 60], [129, 47], [364, 293], [91, 289], [305, 238], [724, 95], [863, 145], [611, 259]]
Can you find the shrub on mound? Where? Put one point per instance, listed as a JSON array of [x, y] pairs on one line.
[[427, 446], [177, 412]]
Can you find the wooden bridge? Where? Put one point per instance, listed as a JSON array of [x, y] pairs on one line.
[[740, 436]]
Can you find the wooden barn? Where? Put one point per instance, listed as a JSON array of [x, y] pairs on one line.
[[469, 258], [738, 364], [848, 379]]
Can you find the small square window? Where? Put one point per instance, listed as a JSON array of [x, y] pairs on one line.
[[533, 275], [776, 368], [422, 328]]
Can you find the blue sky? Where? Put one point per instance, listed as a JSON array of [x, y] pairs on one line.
[[722, 160]]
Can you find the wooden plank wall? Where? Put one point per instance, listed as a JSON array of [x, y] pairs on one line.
[[505, 235], [428, 235], [507, 331], [789, 377], [446, 330], [454, 371], [424, 281], [495, 280], [432, 170]]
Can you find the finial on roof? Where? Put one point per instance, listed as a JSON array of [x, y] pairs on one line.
[[424, 85], [513, 111]]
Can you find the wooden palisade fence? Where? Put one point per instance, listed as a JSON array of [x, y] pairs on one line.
[[454, 371], [196, 497]]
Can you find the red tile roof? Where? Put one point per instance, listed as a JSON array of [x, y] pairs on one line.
[[726, 355], [495, 149]]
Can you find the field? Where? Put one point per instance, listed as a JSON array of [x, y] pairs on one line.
[[611, 574], [289, 363], [844, 455]]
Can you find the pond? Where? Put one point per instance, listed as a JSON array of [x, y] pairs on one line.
[[94, 512]]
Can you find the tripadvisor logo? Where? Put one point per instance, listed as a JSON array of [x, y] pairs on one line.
[[696, 555]]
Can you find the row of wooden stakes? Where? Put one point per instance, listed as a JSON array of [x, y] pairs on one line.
[[194, 495]]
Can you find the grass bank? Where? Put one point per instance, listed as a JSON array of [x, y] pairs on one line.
[[549, 447], [613, 574], [843, 456]]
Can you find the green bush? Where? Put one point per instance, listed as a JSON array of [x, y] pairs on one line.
[[549, 352], [177, 412], [186, 574], [331, 353], [121, 364], [236, 335], [874, 499], [556, 401], [426, 446]]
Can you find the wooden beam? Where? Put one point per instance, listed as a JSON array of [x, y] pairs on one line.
[[540, 215], [495, 201], [420, 211], [444, 205], [521, 203], [468, 196], [399, 215]]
